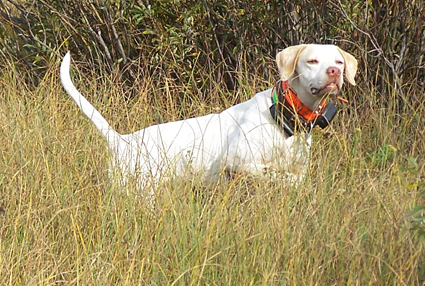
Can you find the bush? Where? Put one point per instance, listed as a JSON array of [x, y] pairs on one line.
[[203, 42]]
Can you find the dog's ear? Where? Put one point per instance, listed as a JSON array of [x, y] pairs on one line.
[[350, 66], [287, 60]]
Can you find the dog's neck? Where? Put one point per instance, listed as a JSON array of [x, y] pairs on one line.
[[283, 93], [290, 113], [304, 95]]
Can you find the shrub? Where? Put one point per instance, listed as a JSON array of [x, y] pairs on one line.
[[202, 42]]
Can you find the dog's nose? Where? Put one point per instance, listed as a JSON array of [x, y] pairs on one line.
[[333, 71]]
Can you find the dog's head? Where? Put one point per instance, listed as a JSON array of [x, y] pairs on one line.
[[314, 71]]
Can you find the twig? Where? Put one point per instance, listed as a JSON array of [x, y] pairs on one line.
[[218, 43], [98, 36], [378, 48], [118, 41]]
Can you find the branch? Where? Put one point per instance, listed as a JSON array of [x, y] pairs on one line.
[[378, 48], [98, 36]]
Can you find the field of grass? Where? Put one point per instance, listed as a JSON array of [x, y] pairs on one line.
[[63, 222]]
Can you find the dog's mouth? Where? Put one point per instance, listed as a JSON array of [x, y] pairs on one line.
[[331, 88]]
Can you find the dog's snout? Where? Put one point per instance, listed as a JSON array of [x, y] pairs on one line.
[[333, 71]]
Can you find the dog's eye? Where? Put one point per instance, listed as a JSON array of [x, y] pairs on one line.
[[313, 62], [340, 62]]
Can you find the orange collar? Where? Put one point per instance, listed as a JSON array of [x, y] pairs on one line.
[[294, 102]]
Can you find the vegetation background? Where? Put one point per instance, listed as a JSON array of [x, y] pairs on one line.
[[358, 219]]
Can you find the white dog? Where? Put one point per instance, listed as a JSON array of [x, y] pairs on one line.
[[254, 136]]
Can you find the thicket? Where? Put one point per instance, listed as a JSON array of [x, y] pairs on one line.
[[203, 44]]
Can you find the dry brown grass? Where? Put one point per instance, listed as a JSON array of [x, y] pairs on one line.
[[65, 223]]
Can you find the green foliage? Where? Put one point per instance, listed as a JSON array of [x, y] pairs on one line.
[[417, 215], [200, 43]]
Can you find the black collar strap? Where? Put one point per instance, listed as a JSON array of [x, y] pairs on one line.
[[291, 116]]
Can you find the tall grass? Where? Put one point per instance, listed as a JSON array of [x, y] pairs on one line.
[[65, 223]]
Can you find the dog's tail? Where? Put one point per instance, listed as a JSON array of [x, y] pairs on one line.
[[98, 120]]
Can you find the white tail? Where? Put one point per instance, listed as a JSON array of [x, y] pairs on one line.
[[98, 120]]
